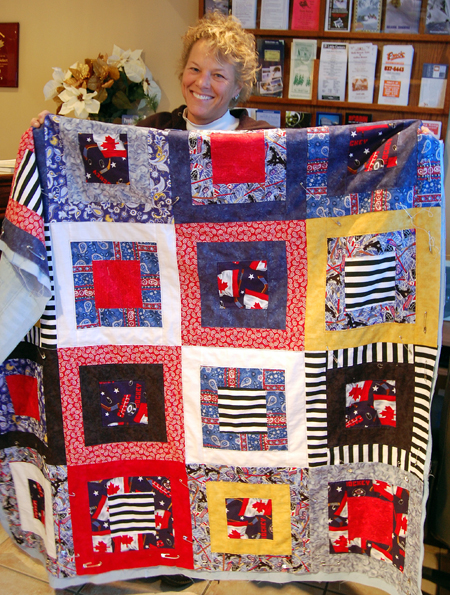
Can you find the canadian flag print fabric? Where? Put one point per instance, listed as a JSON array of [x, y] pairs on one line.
[[243, 284], [105, 158], [249, 518]]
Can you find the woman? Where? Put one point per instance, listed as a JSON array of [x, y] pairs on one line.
[[217, 70]]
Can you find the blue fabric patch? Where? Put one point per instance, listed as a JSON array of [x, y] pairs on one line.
[[211, 253]]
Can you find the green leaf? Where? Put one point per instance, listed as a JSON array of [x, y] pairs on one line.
[[121, 101]]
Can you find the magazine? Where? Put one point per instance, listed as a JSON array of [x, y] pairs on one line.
[[271, 60], [338, 15], [367, 15], [402, 16]]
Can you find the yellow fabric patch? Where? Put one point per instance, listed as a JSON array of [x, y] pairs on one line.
[[425, 330], [280, 545]]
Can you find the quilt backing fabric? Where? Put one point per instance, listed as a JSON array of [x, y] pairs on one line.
[[232, 373]]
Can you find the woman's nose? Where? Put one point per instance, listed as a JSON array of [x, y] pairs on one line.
[[203, 79]]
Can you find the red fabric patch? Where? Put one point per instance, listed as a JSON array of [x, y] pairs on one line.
[[371, 519], [238, 158], [117, 283], [24, 395], [92, 562]]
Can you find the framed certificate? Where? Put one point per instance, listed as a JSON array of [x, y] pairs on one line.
[[9, 54]]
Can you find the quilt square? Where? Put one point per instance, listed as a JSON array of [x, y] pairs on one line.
[[204, 322], [249, 518], [39, 368], [112, 291], [123, 403], [132, 517], [411, 237], [103, 173], [131, 513], [369, 517], [370, 403], [151, 376], [22, 398], [237, 167], [258, 518], [105, 157], [267, 428], [243, 284], [243, 409], [34, 501], [116, 284], [371, 279], [363, 391]]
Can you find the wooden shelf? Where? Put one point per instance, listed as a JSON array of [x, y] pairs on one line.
[[427, 49]]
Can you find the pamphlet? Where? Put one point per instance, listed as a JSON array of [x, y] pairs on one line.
[[351, 118], [438, 17], [367, 15], [395, 74], [362, 59], [303, 54], [298, 119], [402, 16], [245, 11], [305, 15], [338, 15], [274, 14], [271, 60], [332, 71], [435, 126], [433, 85], [328, 119], [222, 6], [271, 116]]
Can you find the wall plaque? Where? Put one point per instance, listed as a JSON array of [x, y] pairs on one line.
[[9, 54]]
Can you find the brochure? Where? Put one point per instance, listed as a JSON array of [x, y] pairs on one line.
[[274, 14], [367, 15], [332, 71], [402, 16], [298, 119], [362, 59], [271, 60], [338, 15], [433, 85], [305, 15], [222, 6], [303, 54], [245, 11], [395, 74], [438, 17]]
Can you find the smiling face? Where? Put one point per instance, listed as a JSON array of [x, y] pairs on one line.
[[207, 85]]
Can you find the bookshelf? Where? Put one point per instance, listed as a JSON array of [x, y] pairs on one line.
[[427, 49]]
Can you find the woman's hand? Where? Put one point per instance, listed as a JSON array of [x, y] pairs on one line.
[[39, 120]]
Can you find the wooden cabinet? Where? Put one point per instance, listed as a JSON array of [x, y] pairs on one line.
[[427, 49]]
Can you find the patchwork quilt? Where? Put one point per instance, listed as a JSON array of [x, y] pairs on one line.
[[233, 366]]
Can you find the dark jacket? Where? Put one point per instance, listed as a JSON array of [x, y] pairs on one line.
[[175, 120]]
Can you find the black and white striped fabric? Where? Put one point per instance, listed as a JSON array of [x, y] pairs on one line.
[[26, 189], [44, 334], [369, 281], [131, 513], [316, 366], [242, 410]]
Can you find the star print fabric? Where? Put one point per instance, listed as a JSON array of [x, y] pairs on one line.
[[243, 284], [105, 158]]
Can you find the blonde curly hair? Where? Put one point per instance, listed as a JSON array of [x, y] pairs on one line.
[[230, 43]]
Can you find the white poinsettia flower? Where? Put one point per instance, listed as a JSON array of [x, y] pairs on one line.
[[79, 101], [150, 87], [59, 76], [130, 61]]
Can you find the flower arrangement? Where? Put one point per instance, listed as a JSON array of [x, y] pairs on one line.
[[105, 88]]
